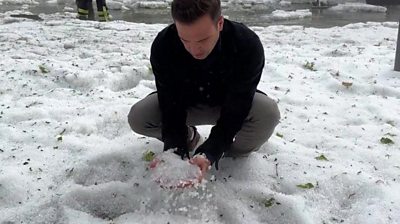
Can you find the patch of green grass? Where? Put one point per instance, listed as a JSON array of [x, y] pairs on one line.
[[269, 202], [305, 186], [148, 156], [387, 141], [43, 69], [310, 66], [321, 157]]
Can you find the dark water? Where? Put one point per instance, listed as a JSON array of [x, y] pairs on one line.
[[321, 18]]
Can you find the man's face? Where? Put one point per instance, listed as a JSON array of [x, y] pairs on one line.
[[200, 37]]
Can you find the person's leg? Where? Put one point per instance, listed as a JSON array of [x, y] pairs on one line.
[[102, 11], [83, 9], [145, 116], [145, 119], [259, 125]]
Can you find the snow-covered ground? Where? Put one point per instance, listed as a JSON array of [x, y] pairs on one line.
[[67, 154]]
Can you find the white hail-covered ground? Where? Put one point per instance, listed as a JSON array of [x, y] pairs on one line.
[[67, 154]]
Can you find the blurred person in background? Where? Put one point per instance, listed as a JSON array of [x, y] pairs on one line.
[[86, 12]]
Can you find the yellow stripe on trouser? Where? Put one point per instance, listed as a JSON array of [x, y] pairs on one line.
[[83, 11], [103, 15], [83, 14]]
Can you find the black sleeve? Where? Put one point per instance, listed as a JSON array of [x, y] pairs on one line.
[[174, 129], [249, 66]]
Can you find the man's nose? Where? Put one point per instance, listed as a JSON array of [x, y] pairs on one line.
[[194, 48]]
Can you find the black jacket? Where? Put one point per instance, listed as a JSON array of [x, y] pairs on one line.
[[227, 77]]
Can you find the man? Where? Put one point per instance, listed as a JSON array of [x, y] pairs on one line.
[[206, 69], [85, 10]]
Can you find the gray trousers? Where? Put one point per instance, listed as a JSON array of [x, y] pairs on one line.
[[145, 119]]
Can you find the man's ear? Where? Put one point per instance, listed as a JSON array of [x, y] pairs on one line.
[[220, 23]]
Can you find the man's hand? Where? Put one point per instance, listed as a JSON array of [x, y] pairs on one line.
[[203, 163]]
